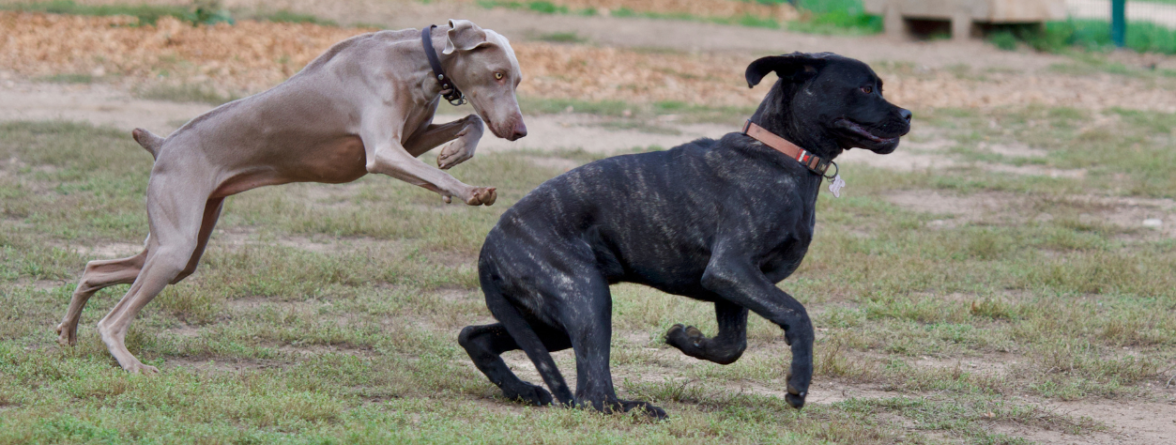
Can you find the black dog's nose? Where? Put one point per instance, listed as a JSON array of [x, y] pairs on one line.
[[906, 114]]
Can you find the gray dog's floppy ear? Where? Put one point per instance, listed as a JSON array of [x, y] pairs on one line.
[[795, 67], [464, 35]]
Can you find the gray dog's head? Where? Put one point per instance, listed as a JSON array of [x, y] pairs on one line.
[[826, 100], [486, 70]]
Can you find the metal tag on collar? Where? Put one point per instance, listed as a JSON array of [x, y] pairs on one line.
[[836, 186], [836, 183]]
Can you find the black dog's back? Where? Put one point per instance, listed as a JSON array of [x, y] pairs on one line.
[[650, 217]]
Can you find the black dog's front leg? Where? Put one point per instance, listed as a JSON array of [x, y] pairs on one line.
[[737, 281], [726, 347]]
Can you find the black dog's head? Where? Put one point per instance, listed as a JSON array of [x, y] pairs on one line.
[[827, 103]]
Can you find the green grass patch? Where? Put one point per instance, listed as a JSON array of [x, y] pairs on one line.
[[540, 6], [68, 78], [1090, 35], [147, 14], [845, 17], [286, 16], [685, 112], [186, 93], [563, 37]]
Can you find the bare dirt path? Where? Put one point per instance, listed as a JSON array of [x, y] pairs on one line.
[[94, 103], [98, 104]]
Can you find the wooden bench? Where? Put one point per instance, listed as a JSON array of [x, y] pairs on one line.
[[963, 14]]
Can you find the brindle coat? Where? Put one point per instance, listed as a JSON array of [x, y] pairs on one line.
[[720, 221]]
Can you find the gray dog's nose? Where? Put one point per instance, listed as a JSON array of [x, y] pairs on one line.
[[906, 115], [519, 131]]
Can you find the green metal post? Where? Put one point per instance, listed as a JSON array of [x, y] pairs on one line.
[[1119, 22]]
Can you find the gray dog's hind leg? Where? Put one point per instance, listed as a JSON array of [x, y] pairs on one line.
[[724, 348], [485, 345], [98, 275], [176, 214], [212, 211]]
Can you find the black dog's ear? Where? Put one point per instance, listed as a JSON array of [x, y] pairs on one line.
[[795, 67]]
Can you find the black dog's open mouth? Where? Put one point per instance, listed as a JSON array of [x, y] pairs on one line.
[[860, 131]]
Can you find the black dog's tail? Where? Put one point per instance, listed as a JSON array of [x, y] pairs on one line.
[[148, 140], [526, 338]]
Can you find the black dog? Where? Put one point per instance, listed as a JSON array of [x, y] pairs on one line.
[[720, 221]]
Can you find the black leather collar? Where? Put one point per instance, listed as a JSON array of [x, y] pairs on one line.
[[448, 89]]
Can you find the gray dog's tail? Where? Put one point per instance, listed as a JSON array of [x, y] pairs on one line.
[[148, 140], [527, 340]]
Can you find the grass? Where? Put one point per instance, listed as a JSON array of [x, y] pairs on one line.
[[1090, 35], [328, 313], [284, 16], [1088, 63], [186, 93], [147, 14], [844, 17], [68, 78], [563, 37], [617, 109]]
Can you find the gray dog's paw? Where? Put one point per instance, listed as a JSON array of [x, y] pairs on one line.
[[454, 153], [529, 394]]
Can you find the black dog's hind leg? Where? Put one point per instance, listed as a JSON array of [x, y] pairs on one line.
[[589, 326], [485, 345], [724, 348], [526, 339]]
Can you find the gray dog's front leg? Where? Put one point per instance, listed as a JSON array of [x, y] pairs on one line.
[[462, 134]]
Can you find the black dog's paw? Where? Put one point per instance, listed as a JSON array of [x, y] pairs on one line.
[[643, 407], [682, 337], [529, 394], [794, 401], [795, 396]]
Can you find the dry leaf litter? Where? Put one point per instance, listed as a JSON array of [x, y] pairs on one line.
[[252, 56]]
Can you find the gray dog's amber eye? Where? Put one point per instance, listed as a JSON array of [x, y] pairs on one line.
[[498, 76], [867, 90]]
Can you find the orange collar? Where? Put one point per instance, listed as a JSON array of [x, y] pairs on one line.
[[813, 162]]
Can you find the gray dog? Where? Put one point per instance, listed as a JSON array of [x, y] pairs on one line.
[[366, 105]]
